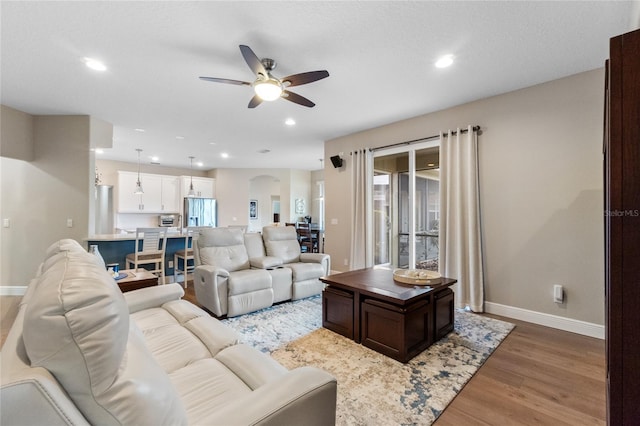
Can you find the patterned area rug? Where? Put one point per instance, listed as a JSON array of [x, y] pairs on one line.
[[372, 388], [273, 327]]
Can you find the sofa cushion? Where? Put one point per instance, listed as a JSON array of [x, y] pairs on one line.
[[223, 248], [282, 242], [207, 386], [179, 334], [77, 326], [247, 281], [253, 243]]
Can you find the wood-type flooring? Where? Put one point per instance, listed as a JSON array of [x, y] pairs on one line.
[[537, 376]]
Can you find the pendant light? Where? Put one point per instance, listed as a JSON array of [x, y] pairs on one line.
[[138, 189], [191, 192]]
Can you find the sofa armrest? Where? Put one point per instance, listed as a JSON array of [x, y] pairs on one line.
[[306, 395], [322, 258], [35, 400], [265, 262], [152, 297], [31, 395]]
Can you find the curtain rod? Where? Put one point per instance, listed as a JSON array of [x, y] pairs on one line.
[[474, 128]]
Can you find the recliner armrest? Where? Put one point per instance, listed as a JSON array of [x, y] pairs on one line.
[[322, 258], [265, 262], [211, 287], [313, 257], [152, 297], [212, 271]]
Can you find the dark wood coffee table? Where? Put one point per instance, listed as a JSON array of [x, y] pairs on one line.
[[136, 279], [396, 319]]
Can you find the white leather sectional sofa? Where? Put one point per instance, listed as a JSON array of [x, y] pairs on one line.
[[237, 273], [80, 352]]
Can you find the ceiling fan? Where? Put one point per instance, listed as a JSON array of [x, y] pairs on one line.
[[268, 87]]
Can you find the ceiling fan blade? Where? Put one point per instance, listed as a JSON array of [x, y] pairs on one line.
[[255, 101], [253, 61], [226, 80], [295, 98], [305, 77]]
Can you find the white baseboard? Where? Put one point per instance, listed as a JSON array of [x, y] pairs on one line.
[[13, 290], [548, 320]]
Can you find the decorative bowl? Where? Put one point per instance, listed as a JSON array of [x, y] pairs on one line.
[[417, 277]]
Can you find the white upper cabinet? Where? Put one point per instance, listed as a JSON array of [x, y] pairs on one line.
[[204, 187], [170, 194], [128, 202], [161, 193]]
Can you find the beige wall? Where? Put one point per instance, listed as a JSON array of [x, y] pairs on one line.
[[16, 134], [233, 191], [40, 195], [541, 191]]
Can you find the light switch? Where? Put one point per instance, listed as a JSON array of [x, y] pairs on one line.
[[334, 221], [69, 223], [6, 223]]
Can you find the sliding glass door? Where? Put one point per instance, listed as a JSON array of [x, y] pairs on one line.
[[406, 202]]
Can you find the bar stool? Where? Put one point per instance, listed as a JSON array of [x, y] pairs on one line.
[[150, 248], [190, 236]]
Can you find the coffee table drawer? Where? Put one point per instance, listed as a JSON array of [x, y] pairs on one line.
[[337, 311], [400, 333], [443, 313]]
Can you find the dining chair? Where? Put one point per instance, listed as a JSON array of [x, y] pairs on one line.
[[191, 234], [150, 247], [305, 237]]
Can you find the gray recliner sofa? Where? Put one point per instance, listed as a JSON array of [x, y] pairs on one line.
[[80, 352], [237, 273]]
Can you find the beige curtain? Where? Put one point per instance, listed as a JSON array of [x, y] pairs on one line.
[[361, 253], [460, 236]]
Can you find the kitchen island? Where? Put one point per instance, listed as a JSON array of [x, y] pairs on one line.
[[114, 248]]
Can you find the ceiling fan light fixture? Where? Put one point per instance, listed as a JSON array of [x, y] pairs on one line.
[[444, 61], [268, 90]]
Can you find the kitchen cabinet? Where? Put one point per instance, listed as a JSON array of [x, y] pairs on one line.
[[161, 193], [170, 194], [204, 187]]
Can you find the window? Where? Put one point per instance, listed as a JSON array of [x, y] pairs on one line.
[[406, 204]]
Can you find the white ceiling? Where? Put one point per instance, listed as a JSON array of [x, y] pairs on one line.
[[380, 57]]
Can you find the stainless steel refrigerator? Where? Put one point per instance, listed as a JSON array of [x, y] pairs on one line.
[[104, 209], [200, 212]]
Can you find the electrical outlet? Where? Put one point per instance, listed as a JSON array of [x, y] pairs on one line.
[[346, 262], [171, 264], [6, 223], [558, 294], [69, 223]]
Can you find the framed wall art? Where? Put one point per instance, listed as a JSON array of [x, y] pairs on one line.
[[253, 209]]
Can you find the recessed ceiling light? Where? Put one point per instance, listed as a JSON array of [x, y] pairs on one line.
[[139, 130], [212, 143], [99, 151], [94, 64], [431, 164], [179, 137], [154, 158], [290, 122], [444, 61], [199, 164], [224, 155]]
